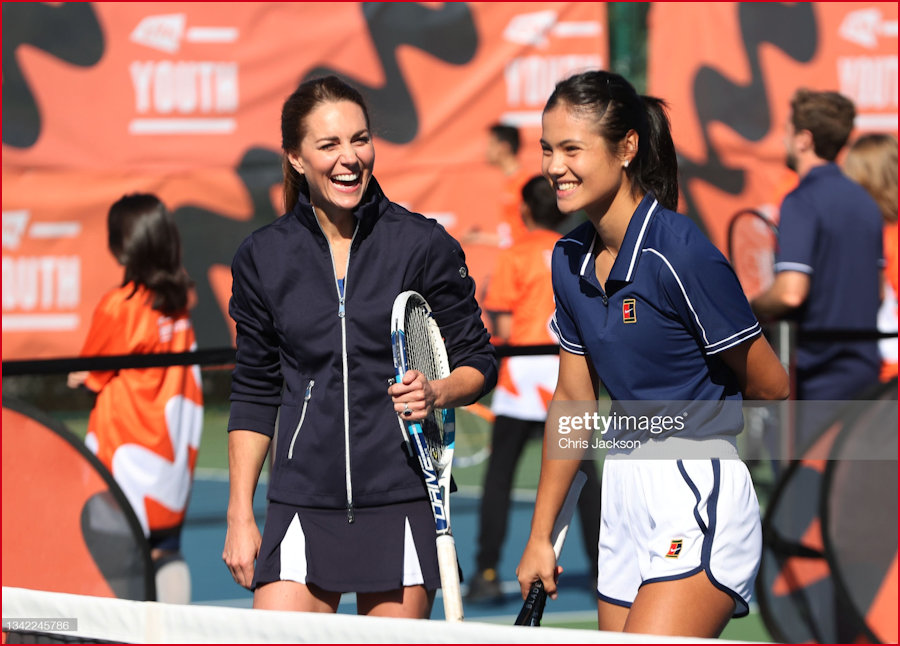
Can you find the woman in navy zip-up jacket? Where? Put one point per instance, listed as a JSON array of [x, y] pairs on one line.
[[311, 300]]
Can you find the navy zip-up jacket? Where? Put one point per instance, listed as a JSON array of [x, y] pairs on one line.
[[325, 361]]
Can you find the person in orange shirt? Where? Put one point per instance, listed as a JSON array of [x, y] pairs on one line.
[[146, 423], [503, 153], [872, 162], [520, 298]]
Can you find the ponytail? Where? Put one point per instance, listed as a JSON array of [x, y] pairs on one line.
[[656, 169]]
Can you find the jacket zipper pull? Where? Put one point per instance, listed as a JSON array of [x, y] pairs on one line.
[[350, 513], [341, 308]]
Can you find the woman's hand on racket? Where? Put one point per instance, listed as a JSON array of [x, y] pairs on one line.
[[242, 540], [538, 563], [413, 396]]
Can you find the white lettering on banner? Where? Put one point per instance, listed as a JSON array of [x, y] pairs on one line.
[[41, 282], [14, 225], [185, 87], [870, 81], [530, 81], [536, 28], [864, 27], [160, 32]]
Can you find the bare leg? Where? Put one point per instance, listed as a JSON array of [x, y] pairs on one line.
[[411, 602], [691, 607], [290, 595], [611, 617]]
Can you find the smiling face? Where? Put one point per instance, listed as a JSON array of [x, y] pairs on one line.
[[336, 156], [578, 162]]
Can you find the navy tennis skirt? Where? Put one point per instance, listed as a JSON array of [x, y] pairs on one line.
[[384, 548]]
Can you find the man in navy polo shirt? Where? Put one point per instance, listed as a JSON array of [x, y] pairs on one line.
[[830, 256]]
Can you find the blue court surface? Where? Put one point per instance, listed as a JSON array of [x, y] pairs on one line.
[[204, 538]]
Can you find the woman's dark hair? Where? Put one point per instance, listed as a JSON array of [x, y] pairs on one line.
[[306, 98], [540, 198], [144, 239], [617, 108]]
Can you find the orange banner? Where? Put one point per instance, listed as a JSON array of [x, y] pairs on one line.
[[184, 100], [728, 71], [67, 526]]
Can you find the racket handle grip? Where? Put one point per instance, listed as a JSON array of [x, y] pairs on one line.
[[448, 564], [533, 608]]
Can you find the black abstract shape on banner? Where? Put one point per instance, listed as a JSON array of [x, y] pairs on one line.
[[210, 238], [448, 33], [745, 108], [69, 32]]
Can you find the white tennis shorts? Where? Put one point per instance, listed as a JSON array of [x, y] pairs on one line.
[[668, 519]]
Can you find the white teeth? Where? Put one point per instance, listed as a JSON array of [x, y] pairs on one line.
[[346, 178], [566, 186]]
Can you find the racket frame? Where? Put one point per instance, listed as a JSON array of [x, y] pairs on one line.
[[436, 469]]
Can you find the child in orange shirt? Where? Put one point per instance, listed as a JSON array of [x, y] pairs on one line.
[[146, 423], [520, 298]]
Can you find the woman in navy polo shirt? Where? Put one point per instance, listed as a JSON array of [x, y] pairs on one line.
[[648, 307]]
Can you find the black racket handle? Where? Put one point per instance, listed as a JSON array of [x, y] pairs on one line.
[[533, 607]]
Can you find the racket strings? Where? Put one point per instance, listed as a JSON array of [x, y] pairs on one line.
[[421, 356]]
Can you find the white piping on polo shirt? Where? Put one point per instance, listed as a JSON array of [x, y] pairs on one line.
[[639, 241], [793, 266], [739, 337], [736, 339], [565, 344], [684, 293], [587, 256]]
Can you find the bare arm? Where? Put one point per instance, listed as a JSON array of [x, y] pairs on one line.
[[246, 455], [787, 293], [577, 383], [758, 370]]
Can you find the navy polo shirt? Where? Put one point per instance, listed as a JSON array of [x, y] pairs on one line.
[[671, 304], [831, 229]]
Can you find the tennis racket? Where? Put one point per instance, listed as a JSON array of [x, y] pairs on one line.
[[417, 345], [533, 607], [752, 240]]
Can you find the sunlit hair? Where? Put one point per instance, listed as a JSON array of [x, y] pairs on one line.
[[872, 162], [144, 239], [828, 116]]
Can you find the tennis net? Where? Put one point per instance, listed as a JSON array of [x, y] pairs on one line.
[[31, 616]]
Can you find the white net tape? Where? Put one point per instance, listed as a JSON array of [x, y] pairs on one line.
[[142, 622]]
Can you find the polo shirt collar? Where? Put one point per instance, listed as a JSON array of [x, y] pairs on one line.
[[625, 266], [823, 170]]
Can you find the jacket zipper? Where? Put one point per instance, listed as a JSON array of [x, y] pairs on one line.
[[344, 362], [306, 399]]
